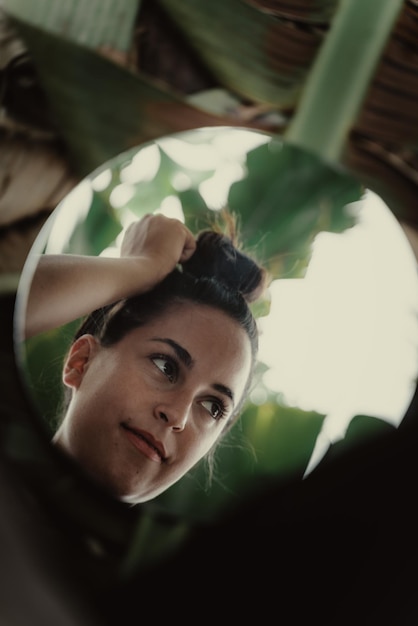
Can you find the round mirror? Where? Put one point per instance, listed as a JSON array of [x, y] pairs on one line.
[[338, 322]]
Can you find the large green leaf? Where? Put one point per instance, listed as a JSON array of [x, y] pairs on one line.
[[287, 197], [87, 22], [102, 109], [251, 52]]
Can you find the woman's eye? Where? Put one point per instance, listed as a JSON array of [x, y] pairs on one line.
[[215, 408], [166, 366]]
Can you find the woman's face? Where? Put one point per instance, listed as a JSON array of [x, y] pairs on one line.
[[146, 409]]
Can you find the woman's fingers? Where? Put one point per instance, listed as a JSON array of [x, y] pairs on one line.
[[160, 237], [189, 245]]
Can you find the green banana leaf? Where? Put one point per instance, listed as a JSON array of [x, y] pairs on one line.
[[90, 23], [102, 109], [250, 51], [115, 109], [286, 199]]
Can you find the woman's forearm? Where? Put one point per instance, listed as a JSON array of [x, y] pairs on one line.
[[66, 287]]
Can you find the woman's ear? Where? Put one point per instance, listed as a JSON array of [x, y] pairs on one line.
[[78, 359]]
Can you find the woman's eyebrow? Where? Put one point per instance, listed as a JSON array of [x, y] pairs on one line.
[[226, 391], [181, 352]]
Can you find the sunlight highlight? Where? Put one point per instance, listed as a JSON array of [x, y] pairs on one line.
[[73, 211]]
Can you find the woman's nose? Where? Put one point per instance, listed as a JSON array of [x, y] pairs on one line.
[[175, 414]]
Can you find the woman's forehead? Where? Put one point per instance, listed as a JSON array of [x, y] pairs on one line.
[[202, 331]]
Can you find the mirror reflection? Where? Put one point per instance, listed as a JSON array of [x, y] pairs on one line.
[[122, 362]]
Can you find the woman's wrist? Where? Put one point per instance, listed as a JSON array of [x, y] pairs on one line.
[[141, 274]]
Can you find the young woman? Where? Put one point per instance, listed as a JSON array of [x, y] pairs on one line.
[[161, 368]]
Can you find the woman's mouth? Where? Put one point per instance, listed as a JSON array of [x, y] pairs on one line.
[[145, 443]]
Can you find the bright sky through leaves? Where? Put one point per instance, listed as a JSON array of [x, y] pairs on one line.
[[343, 341]]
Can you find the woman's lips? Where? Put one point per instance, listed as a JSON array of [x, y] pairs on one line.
[[146, 443]]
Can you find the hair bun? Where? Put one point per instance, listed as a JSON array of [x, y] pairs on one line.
[[216, 257]]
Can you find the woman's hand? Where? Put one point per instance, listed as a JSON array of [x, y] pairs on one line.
[[66, 287], [163, 241]]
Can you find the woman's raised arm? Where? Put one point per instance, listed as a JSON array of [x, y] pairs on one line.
[[66, 287]]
